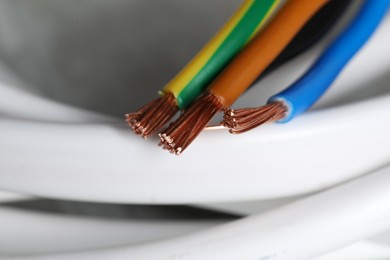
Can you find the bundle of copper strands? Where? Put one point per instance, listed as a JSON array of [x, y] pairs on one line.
[[180, 134], [239, 75], [242, 120], [153, 116]]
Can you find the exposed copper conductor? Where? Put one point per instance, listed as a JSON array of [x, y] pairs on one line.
[[180, 134], [153, 116], [242, 120]]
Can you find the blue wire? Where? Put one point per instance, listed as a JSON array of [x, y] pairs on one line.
[[310, 87]]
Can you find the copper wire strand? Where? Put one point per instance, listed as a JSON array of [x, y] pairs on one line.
[[178, 126], [245, 119], [153, 116], [166, 141], [215, 127], [180, 134], [181, 137]]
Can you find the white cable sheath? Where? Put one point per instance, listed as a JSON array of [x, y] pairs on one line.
[[12, 197], [301, 230], [25, 232], [106, 163], [18, 103], [365, 250]]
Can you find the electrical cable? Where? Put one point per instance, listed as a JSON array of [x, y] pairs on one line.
[[67, 232], [240, 73], [301, 95], [309, 88], [336, 217], [195, 77]]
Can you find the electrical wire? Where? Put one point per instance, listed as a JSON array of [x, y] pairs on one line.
[[195, 77], [301, 95], [240, 73], [310, 87], [313, 31]]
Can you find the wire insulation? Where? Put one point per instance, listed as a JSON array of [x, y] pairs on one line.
[[313, 31], [196, 76], [309, 88]]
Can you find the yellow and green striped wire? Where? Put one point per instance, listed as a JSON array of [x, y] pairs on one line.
[[206, 65]]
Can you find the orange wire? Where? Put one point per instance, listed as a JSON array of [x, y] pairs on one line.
[[263, 49]]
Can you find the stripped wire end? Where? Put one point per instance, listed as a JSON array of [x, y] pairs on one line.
[[153, 116], [180, 134], [242, 120]]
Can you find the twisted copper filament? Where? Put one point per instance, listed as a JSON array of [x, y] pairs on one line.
[[153, 116], [242, 120], [180, 134]]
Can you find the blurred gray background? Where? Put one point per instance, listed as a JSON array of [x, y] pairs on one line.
[[98, 54]]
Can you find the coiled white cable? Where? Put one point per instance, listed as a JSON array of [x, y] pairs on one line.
[[25, 232], [52, 157], [300, 230]]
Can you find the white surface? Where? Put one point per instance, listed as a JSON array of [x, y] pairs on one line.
[[359, 251], [28, 232], [91, 162], [244, 208], [109, 56], [19, 103], [11, 197], [301, 230]]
